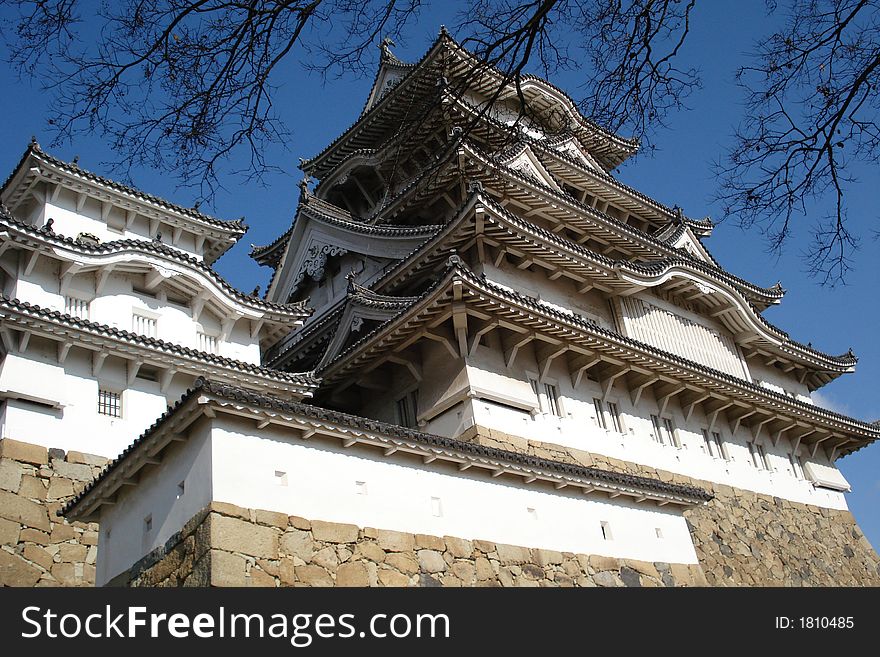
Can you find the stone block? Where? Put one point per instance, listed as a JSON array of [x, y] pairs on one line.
[[29, 535], [299, 543], [73, 552], [88, 538], [334, 532], [600, 563], [484, 546], [371, 552], [15, 571], [326, 558], [227, 509], [644, 568], [353, 573], [393, 578], [299, 523], [465, 571], [392, 541], [405, 563], [431, 561], [484, 569], [10, 475], [9, 532], [428, 542], [630, 577], [227, 569], [33, 488], [75, 471], [512, 554], [235, 535], [65, 573], [24, 452], [59, 488], [259, 578], [459, 547], [38, 555], [18, 509], [272, 518], [313, 576], [86, 459], [547, 557], [606, 578]]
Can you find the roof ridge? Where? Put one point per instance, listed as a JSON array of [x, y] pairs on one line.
[[307, 379], [34, 148]]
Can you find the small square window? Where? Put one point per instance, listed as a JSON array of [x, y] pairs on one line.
[[532, 513], [658, 532], [109, 403], [436, 507], [280, 478], [360, 487], [606, 530]]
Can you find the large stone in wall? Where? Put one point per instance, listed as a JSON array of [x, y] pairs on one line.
[[37, 547]]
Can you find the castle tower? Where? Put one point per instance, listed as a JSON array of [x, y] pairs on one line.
[[536, 373]]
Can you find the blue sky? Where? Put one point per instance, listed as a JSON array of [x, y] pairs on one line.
[[679, 173]]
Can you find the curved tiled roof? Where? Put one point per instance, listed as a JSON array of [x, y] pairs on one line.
[[145, 247], [303, 379], [235, 226], [366, 297], [627, 146], [235, 394], [457, 269]]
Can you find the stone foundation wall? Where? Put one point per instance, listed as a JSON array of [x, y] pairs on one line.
[[743, 538], [37, 548], [226, 545]]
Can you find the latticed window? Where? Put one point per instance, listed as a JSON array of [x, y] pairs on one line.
[[600, 412], [76, 307], [207, 343], [109, 403], [407, 409], [143, 325]]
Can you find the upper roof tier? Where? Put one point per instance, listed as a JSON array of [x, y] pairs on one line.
[[116, 209], [400, 88]]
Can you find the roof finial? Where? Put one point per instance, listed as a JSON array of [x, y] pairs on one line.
[[386, 45], [34, 143], [47, 227], [196, 205], [75, 161], [443, 30], [454, 260], [351, 277], [158, 237], [256, 292], [679, 214], [304, 186]]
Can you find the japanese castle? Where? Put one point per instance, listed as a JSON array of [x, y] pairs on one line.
[[481, 360]]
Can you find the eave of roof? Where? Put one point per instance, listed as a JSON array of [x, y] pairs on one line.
[[236, 227], [296, 310], [304, 381], [456, 271]]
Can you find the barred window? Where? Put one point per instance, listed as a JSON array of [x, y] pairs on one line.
[[614, 413], [552, 393], [109, 403], [207, 343], [600, 412], [408, 408], [76, 307], [143, 325]]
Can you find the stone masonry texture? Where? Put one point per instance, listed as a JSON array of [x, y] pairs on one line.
[[741, 538], [225, 545], [38, 548]]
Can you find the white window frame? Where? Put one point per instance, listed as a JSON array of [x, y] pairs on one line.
[[108, 405], [148, 315], [541, 389], [76, 299], [599, 409]]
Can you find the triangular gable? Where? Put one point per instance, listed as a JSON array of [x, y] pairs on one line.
[[572, 149], [687, 241], [526, 163], [386, 79]]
